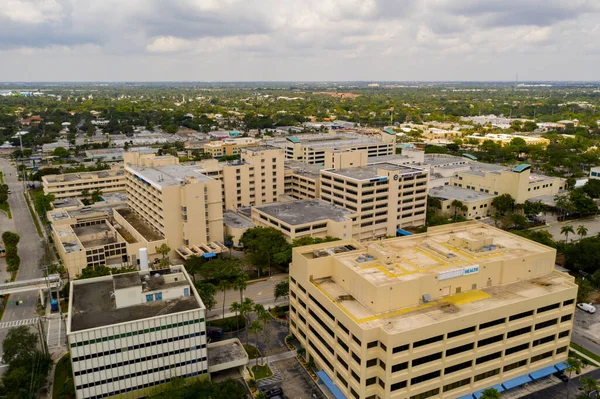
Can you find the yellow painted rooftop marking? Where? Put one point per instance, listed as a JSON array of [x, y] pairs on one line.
[[431, 254]]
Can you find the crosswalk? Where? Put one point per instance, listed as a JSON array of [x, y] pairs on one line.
[[17, 323], [56, 332]]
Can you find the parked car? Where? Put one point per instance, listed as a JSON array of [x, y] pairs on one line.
[[562, 376], [275, 392], [587, 307], [214, 333]]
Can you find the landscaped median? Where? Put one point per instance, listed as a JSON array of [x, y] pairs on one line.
[[13, 261]]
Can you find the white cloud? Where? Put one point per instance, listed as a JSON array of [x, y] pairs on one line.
[[296, 40]]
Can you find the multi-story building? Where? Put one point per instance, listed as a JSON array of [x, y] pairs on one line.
[[229, 146], [257, 178], [305, 218], [443, 314], [179, 203], [302, 181], [72, 184], [384, 196], [476, 204], [519, 182], [315, 148], [595, 172], [130, 333]]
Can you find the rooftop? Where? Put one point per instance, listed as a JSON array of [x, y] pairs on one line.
[[93, 307], [371, 171], [328, 140], [304, 211], [139, 224], [232, 219], [304, 169], [461, 194], [168, 175], [436, 255]]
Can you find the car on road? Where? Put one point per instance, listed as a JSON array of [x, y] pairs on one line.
[[587, 307], [562, 376]]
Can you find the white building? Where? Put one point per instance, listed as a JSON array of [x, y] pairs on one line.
[[129, 333]]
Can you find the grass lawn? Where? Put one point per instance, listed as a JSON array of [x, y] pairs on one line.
[[253, 353], [35, 219], [261, 372], [63, 387], [585, 352], [228, 324], [6, 208]]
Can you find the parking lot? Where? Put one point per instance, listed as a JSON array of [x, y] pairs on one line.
[[296, 383]]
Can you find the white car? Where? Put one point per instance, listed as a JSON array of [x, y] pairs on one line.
[[587, 307]]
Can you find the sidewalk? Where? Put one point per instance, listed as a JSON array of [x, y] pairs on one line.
[[589, 359]]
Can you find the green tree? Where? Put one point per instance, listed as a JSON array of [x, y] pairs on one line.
[[255, 328], [96, 195], [281, 289], [592, 188], [458, 206], [60, 152], [164, 250], [566, 230], [20, 343], [490, 393], [264, 245], [588, 385], [573, 366], [503, 203], [43, 203], [235, 308], [224, 285], [246, 308], [193, 265], [207, 292], [240, 284], [582, 231]]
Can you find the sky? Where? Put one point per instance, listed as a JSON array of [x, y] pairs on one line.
[[299, 40]]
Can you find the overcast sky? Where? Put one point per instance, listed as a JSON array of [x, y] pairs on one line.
[[293, 40]]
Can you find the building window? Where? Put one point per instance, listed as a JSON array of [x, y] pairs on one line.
[[425, 377], [400, 348], [487, 374], [186, 292], [492, 323], [461, 332], [541, 357], [548, 308], [149, 298], [428, 341], [521, 315], [426, 359], [520, 331], [427, 394], [515, 365], [457, 367], [460, 349], [516, 349], [398, 385], [488, 358]]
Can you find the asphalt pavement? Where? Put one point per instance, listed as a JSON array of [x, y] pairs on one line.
[[31, 248]]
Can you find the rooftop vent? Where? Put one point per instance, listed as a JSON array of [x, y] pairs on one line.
[[426, 298]]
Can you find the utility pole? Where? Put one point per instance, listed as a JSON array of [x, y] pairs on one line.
[[24, 175]]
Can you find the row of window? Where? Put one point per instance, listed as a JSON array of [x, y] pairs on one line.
[[134, 333], [140, 373], [138, 360], [135, 347]]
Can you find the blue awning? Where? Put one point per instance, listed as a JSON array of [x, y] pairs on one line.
[[517, 382], [401, 232], [546, 371], [466, 397], [330, 385], [497, 387], [561, 366], [209, 255]]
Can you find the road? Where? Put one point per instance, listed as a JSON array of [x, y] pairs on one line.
[[260, 292], [559, 391], [31, 248]]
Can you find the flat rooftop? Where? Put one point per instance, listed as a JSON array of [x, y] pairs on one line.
[[139, 224], [224, 352], [450, 307], [92, 306], [65, 203], [371, 171], [304, 211], [300, 168], [235, 220], [168, 175], [461, 194], [260, 148]]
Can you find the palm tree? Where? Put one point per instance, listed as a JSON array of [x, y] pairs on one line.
[[236, 307], [246, 308], [164, 250], [224, 285], [265, 318], [458, 206], [582, 231], [241, 284], [255, 328], [566, 230], [229, 242], [573, 365], [588, 385]]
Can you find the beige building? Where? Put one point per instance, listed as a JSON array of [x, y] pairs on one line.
[[178, 203], [595, 172], [72, 184], [302, 181], [305, 218], [478, 204], [442, 314], [257, 178], [316, 148], [229, 147], [384, 196], [519, 182]]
